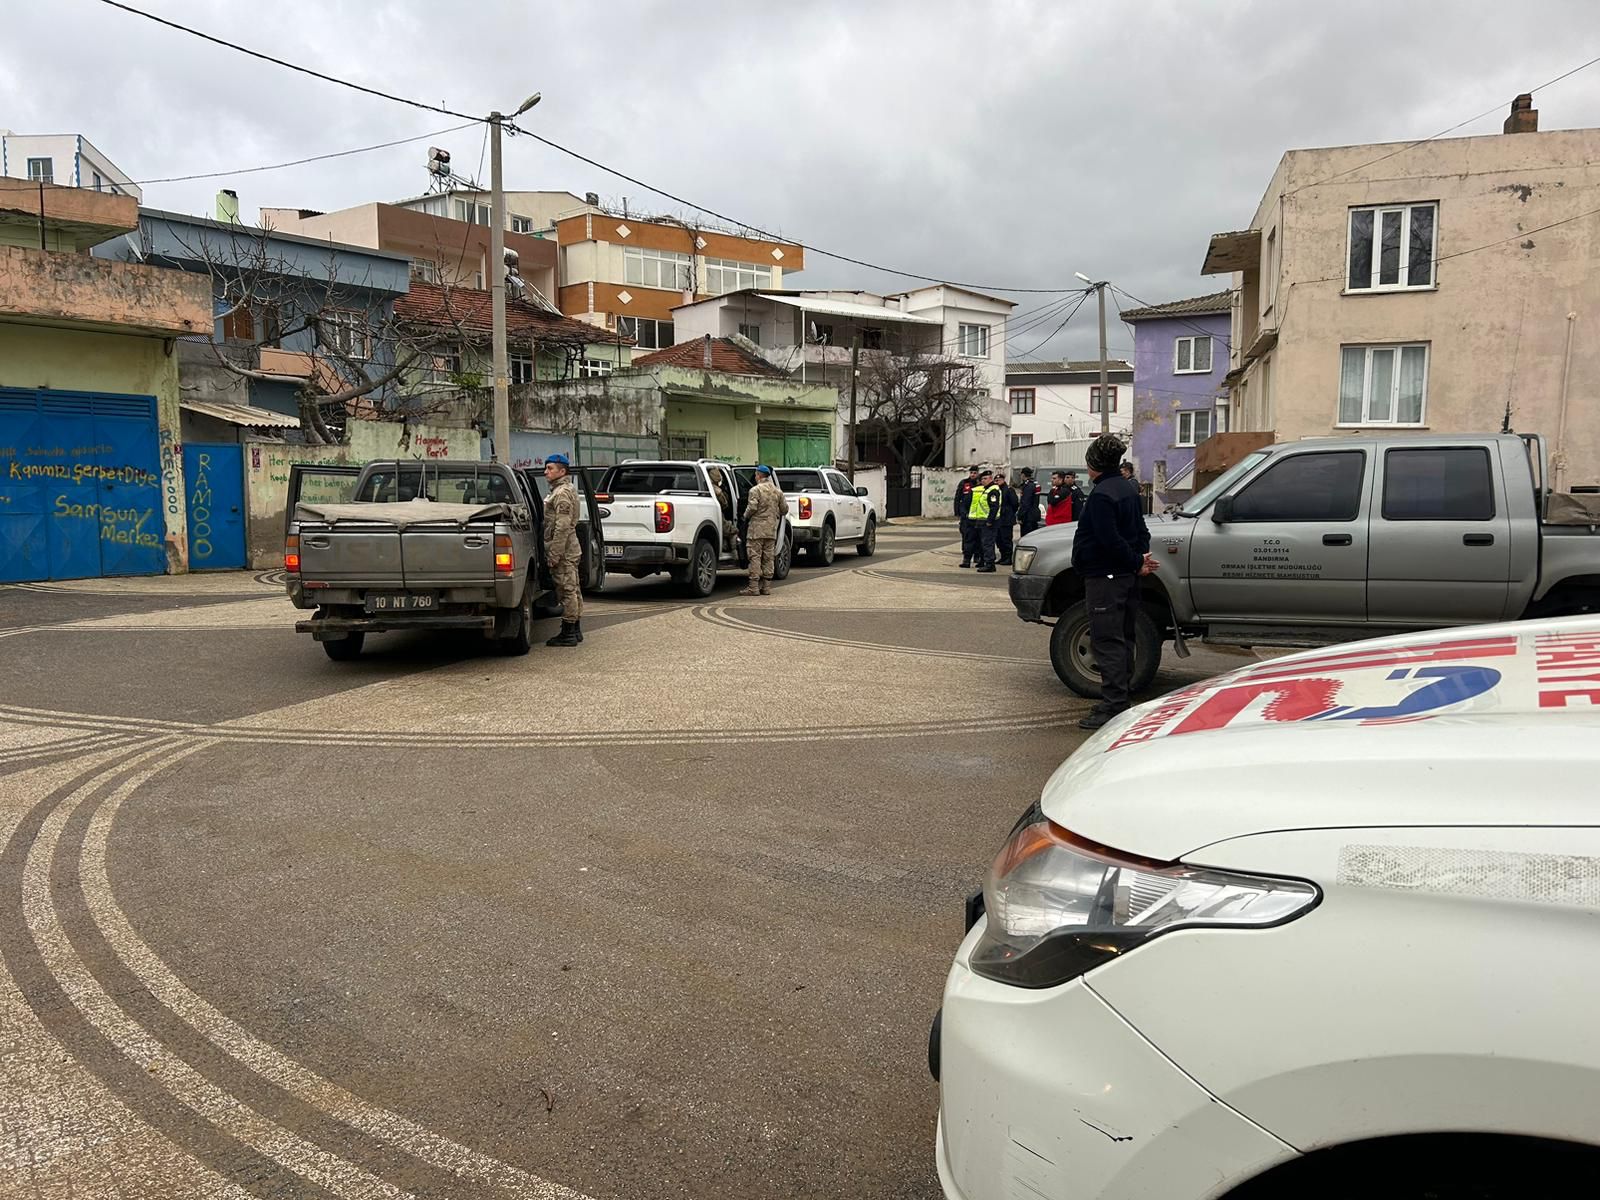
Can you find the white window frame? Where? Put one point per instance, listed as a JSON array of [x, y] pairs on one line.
[[472, 213], [350, 333], [595, 368], [521, 224], [1094, 398], [1019, 440], [1190, 417], [1403, 283], [1367, 420], [1193, 341], [750, 332], [636, 326], [973, 340], [1029, 395], [519, 368], [41, 170], [664, 270], [724, 275]]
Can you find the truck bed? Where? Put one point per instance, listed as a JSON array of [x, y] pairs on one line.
[[414, 545]]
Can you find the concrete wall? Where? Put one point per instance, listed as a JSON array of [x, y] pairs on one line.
[[1496, 324], [74, 160], [624, 402], [939, 490], [33, 356], [266, 466], [876, 480], [1159, 394], [73, 288]]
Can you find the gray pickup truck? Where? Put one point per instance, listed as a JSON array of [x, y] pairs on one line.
[[418, 545], [1333, 539]]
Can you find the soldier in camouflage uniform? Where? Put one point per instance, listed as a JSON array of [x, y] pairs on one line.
[[723, 503], [763, 511], [561, 552]]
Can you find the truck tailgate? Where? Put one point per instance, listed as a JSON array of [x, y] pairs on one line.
[[631, 520], [447, 556], [351, 556]]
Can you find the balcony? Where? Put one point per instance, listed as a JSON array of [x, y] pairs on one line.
[[55, 288]]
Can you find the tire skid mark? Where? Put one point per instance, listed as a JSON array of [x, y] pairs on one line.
[[719, 615]]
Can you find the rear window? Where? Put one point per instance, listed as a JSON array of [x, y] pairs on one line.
[[648, 480], [799, 481], [447, 486], [1444, 484]]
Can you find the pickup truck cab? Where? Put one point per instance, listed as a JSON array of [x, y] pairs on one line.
[[662, 515], [1333, 539], [1320, 928], [418, 545], [827, 509]]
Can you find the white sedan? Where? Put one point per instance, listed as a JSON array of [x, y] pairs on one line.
[[1328, 926]]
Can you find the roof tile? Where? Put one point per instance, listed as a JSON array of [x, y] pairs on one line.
[[430, 304], [1216, 302], [727, 356]]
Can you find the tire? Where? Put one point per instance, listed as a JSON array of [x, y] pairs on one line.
[[346, 649], [1069, 652], [700, 578], [820, 552], [869, 543], [784, 562], [518, 643]]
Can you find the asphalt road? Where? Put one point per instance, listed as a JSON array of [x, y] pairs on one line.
[[663, 915]]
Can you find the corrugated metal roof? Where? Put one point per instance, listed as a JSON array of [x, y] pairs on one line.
[[241, 414], [843, 308]]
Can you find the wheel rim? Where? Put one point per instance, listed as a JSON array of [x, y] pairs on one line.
[[872, 535], [1082, 652], [706, 572], [827, 541]]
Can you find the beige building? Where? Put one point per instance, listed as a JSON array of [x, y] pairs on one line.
[[1447, 285]]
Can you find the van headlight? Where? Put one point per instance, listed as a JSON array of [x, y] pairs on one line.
[[1022, 560], [1058, 905]]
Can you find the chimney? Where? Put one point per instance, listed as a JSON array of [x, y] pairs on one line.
[[1524, 116], [592, 198], [228, 206], [707, 355]]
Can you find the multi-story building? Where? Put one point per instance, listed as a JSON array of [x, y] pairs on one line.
[[914, 348], [1060, 401], [64, 159], [1444, 285], [1180, 358]]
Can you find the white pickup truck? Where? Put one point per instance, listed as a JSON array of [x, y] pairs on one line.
[[662, 515], [826, 509]]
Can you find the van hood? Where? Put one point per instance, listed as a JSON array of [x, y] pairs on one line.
[[1492, 725]]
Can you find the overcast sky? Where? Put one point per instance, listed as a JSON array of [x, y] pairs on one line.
[[1003, 143]]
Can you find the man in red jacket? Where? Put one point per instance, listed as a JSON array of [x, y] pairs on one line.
[[1064, 501]]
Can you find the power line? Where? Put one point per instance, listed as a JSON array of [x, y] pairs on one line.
[[1082, 299], [583, 158], [299, 162]]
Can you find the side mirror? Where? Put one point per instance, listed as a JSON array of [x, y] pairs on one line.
[[861, 491], [1222, 510]]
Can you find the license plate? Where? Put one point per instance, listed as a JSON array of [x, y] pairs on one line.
[[613, 551], [400, 601]]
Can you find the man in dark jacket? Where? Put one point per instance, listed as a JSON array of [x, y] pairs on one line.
[[1008, 519], [1028, 502], [1110, 550], [969, 536]]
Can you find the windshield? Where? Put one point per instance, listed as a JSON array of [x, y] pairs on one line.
[[447, 485], [639, 479], [1196, 503]]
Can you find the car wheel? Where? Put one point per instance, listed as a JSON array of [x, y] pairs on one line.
[[701, 577], [867, 545], [820, 552], [782, 564], [1073, 660], [345, 649], [520, 640]]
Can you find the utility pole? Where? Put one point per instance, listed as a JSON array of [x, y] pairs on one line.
[[1105, 367], [497, 284], [855, 361]]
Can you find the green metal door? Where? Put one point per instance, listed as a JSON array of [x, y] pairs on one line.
[[795, 444]]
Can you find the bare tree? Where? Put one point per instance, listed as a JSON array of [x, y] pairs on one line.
[[910, 403]]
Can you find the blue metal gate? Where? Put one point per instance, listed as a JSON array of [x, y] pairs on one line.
[[214, 479], [80, 486]]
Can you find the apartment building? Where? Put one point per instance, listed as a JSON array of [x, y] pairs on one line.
[[1060, 401], [1445, 285], [64, 159]]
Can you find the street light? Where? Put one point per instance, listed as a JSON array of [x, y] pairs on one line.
[[1105, 372], [497, 285]]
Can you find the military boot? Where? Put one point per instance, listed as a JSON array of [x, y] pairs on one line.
[[568, 635], [766, 588], [577, 629], [750, 590]]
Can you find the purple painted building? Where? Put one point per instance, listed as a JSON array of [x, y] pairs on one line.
[[1180, 355]]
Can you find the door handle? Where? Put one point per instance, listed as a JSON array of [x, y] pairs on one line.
[[317, 543], [475, 542], [1336, 539], [1477, 539]]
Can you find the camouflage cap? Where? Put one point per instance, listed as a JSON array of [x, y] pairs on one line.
[[1105, 452]]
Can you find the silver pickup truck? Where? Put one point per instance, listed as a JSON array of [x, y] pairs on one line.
[[419, 545], [1333, 539]]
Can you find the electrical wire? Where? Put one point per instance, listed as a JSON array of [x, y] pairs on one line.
[[421, 137], [1082, 299]]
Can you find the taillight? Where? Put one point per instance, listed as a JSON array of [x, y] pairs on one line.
[[504, 561], [664, 516], [805, 508], [291, 554]]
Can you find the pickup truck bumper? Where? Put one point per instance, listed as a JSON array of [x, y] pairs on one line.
[[644, 555], [339, 626], [1028, 593], [804, 535]]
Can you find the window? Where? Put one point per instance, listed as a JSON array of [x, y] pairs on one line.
[[41, 170], [682, 445], [521, 224], [631, 480], [1270, 291], [345, 332], [99, 184], [521, 368], [821, 333], [1019, 440], [1305, 487], [239, 325], [1220, 425], [1022, 400], [1450, 484], [872, 339], [1192, 356], [445, 368], [752, 332], [655, 268], [974, 341], [841, 486], [646, 334], [1392, 248], [1194, 427], [473, 214], [593, 368], [724, 275], [424, 270], [1094, 397], [1383, 385]]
